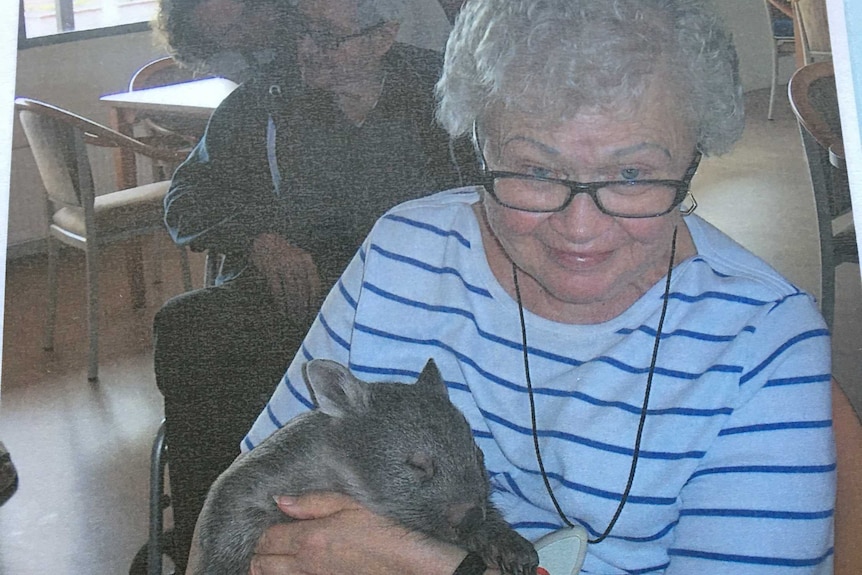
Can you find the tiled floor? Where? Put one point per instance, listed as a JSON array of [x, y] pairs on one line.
[[83, 449]]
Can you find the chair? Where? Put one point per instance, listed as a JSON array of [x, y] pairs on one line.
[[814, 28], [783, 44], [814, 101], [198, 439], [76, 216]]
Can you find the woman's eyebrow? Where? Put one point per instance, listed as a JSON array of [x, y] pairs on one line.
[[633, 149], [621, 152], [543, 147]]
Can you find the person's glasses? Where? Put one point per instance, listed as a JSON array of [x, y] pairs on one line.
[[326, 40], [619, 198]]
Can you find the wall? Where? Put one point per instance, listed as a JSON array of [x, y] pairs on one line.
[[73, 75]]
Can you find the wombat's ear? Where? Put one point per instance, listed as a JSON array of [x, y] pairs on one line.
[[336, 391], [431, 379]]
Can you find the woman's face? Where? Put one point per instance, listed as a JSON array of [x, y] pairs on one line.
[[585, 266]]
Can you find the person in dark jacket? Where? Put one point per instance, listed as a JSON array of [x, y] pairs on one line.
[[293, 170]]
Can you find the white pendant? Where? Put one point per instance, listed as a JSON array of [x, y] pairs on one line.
[[562, 552]]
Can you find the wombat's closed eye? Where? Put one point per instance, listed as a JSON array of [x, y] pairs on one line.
[[402, 450]]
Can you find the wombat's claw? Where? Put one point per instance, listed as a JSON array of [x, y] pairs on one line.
[[513, 555], [514, 567]]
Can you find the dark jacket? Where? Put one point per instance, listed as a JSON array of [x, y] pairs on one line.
[[322, 181]]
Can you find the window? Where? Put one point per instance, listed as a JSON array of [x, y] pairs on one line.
[[43, 18]]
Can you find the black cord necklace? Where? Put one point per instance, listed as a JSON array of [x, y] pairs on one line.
[[643, 414]]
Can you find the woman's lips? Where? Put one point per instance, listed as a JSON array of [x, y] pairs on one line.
[[579, 261]]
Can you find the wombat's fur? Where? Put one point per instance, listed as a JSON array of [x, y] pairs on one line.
[[402, 450]]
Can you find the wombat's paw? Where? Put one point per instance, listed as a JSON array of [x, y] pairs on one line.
[[512, 554]]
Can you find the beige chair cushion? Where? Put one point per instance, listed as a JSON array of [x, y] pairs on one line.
[[117, 212]]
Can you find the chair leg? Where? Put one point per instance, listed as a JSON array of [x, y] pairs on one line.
[[51, 319], [774, 79], [93, 311], [158, 460]]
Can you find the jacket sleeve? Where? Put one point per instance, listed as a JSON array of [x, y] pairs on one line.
[[222, 196]]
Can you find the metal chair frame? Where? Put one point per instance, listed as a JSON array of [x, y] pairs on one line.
[[59, 140]]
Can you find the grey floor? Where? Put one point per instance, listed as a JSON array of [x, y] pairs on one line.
[[83, 449]]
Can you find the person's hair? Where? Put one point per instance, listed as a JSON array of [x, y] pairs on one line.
[[192, 44], [552, 58], [183, 40]]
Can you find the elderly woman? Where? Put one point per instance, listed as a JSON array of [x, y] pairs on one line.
[[625, 366]]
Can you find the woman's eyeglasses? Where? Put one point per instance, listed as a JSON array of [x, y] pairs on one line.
[[619, 198]]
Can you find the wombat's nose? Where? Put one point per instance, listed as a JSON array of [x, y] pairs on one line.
[[465, 516]]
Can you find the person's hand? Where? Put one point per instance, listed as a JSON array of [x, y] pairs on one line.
[[335, 535], [291, 275]]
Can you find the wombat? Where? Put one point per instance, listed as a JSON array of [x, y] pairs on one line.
[[402, 450]]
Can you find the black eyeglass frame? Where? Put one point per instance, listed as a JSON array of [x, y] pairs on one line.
[[682, 187], [329, 42]]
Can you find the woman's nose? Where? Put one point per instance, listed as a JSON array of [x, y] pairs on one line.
[[581, 220]]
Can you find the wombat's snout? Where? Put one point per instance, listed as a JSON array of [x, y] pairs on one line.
[[465, 517]]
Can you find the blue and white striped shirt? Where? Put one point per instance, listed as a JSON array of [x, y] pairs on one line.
[[737, 466]]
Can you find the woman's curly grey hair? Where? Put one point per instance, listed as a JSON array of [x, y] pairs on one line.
[[552, 58]]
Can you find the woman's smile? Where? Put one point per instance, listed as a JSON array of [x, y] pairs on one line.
[[578, 261]]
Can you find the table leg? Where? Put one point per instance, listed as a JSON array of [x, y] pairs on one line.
[[125, 166]]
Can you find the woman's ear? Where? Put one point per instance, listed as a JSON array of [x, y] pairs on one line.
[[384, 37]]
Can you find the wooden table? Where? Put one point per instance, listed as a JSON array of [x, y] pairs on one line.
[[198, 98]]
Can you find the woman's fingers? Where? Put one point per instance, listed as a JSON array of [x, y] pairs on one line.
[[316, 505]]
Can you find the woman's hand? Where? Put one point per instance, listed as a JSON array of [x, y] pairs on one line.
[[335, 535], [291, 275]]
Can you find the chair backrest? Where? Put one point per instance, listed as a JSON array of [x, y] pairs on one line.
[[165, 129], [60, 154], [814, 100], [161, 72], [58, 139], [814, 25]]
